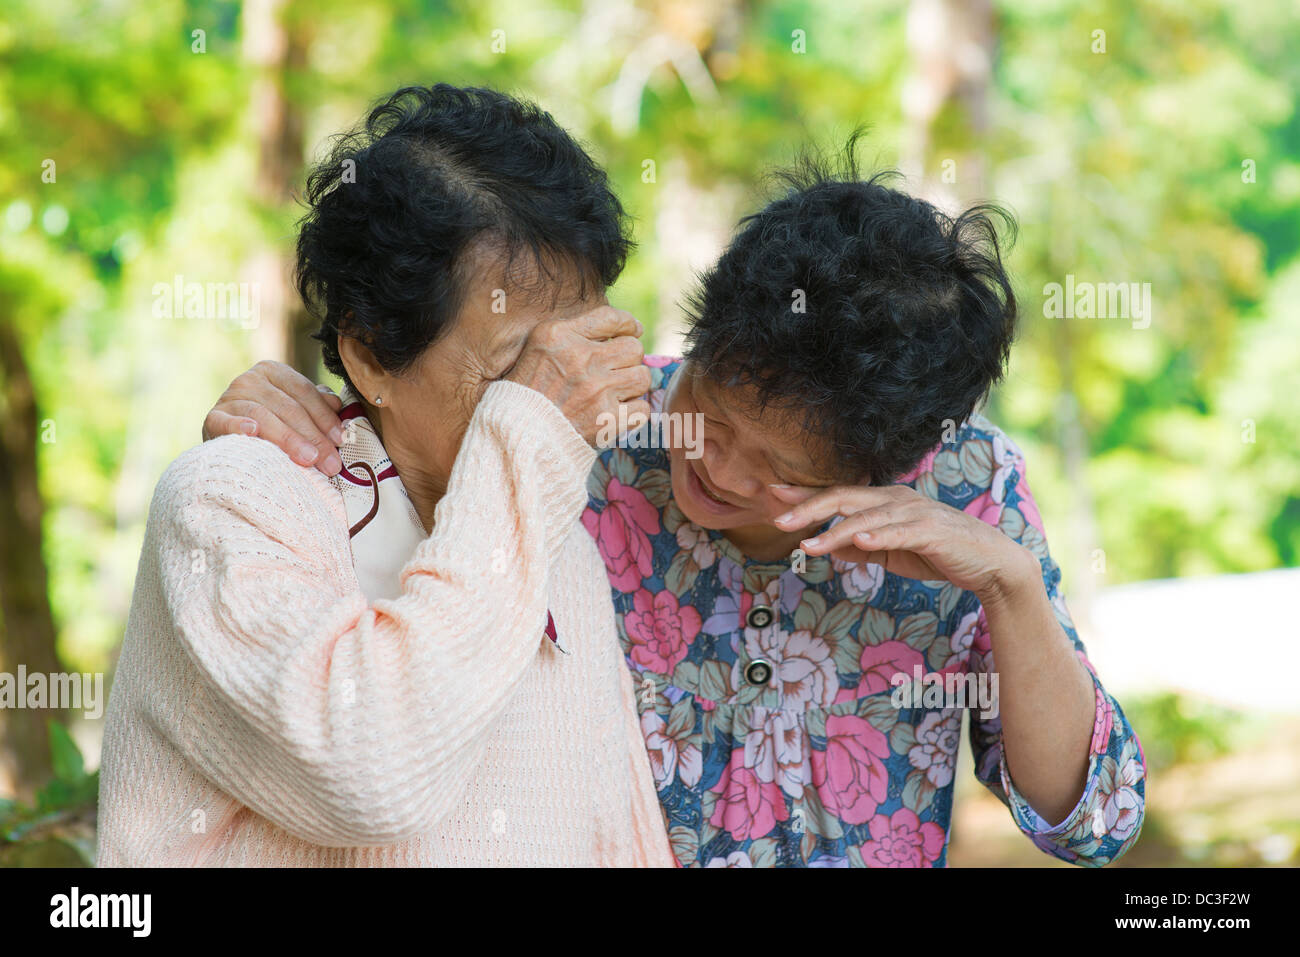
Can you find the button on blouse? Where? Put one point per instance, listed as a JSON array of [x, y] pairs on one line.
[[767, 691]]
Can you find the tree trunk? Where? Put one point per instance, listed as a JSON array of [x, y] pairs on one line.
[[27, 634], [277, 39], [950, 48]]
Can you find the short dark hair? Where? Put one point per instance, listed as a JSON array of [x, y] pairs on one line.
[[908, 315], [434, 170]]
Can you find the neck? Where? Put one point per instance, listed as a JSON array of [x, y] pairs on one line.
[[423, 488], [424, 491]]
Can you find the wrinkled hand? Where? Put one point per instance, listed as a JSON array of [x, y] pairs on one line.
[[909, 534], [588, 366], [279, 404]]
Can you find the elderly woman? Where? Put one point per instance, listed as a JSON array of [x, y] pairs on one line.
[[414, 662], [853, 563]]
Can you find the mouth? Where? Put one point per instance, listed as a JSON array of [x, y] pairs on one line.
[[706, 496]]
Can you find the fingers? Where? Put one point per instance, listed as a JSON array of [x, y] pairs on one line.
[[621, 352], [314, 402], [274, 429], [843, 533], [638, 414], [879, 542], [629, 383], [279, 400], [220, 423], [793, 494], [839, 500], [331, 398], [606, 322]]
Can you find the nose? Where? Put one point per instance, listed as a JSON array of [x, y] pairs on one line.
[[727, 472]]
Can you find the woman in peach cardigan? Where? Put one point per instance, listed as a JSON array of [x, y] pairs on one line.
[[415, 662]]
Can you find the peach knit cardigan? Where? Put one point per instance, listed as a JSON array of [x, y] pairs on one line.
[[265, 712]]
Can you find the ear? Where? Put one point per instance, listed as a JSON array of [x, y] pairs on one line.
[[363, 369]]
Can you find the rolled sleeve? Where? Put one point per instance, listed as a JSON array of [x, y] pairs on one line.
[[1107, 819]]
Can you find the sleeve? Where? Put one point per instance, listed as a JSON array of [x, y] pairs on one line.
[[650, 823], [343, 722], [1106, 821]]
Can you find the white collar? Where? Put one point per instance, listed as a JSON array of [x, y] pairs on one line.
[[382, 523], [384, 527]]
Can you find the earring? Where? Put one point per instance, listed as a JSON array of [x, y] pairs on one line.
[[379, 400]]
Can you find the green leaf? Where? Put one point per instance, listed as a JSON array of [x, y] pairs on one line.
[[597, 480], [681, 720], [657, 486], [681, 573], [1012, 523], [949, 595], [622, 467], [976, 460], [847, 652], [815, 722], [928, 486], [939, 652], [817, 569], [918, 630], [918, 792], [879, 711], [65, 755], [902, 738], [673, 518], [878, 626], [687, 676], [836, 622], [947, 468], [817, 819], [762, 852], [683, 842], [715, 681]]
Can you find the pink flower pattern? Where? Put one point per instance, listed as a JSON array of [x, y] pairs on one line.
[[781, 745], [901, 840]]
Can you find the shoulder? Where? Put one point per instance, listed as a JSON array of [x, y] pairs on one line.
[[974, 460], [637, 467], [662, 369], [235, 461], [251, 480]]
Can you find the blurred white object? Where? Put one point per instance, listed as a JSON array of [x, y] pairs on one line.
[[1228, 638]]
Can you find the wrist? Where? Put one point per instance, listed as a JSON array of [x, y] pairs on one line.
[[1017, 580]]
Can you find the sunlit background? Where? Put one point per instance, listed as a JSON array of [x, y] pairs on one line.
[[146, 144]]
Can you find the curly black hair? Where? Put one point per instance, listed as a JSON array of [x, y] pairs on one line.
[[868, 313], [398, 202]]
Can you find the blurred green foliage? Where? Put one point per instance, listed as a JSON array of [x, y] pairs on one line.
[[1125, 166], [58, 830], [1176, 728]]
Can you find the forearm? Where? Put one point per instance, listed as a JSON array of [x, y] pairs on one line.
[[1046, 697], [358, 722]]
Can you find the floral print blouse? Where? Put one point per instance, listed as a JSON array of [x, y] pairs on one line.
[[773, 734]]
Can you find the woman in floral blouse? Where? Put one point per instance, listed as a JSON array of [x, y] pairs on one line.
[[805, 595]]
